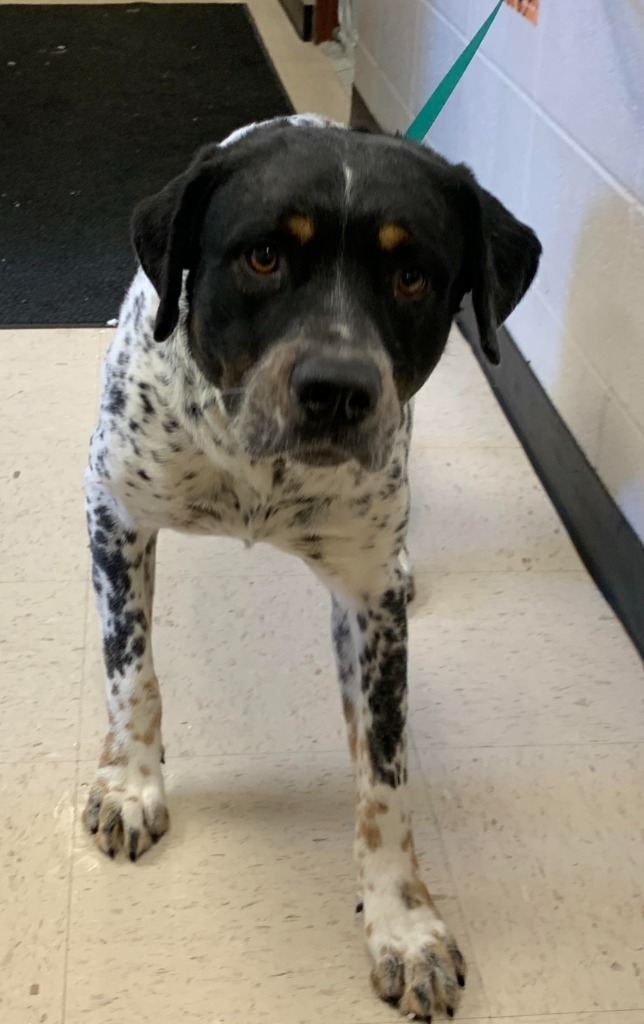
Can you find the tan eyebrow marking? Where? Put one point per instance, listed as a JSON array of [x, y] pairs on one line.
[[301, 227], [392, 235]]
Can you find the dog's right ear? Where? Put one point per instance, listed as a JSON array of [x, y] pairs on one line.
[[165, 229]]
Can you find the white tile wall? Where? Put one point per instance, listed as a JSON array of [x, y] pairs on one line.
[[621, 462], [627, 370], [591, 79], [437, 46], [580, 396], [541, 336], [393, 115], [367, 74], [396, 38], [490, 110], [583, 225], [457, 11], [512, 46], [371, 20], [573, 383], [552, 121]]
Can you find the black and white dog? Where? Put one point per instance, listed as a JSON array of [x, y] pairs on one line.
[[297, 287]]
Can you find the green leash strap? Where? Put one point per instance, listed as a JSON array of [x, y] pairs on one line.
[[424, 120]]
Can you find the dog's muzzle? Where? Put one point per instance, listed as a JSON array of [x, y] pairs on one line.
[[321, 408]]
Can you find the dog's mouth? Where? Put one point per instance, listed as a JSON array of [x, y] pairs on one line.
[[327, 453], [265, 440], [269, 436]]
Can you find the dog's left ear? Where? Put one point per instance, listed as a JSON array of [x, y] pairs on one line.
[[503, 260], [165, 230]]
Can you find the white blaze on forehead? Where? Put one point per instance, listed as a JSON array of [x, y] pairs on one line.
[[299, 120], [347, 170], [314, 121], [303, 121], [342, 330]]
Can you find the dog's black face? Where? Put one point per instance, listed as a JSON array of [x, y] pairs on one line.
[[325, 267]]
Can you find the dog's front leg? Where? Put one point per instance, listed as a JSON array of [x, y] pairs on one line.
[[417, 963], [126, 805]]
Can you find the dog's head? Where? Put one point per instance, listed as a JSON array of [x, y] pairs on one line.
[[324, 268]]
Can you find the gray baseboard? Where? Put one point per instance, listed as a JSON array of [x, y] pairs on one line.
[[360, 115], [607, 544]]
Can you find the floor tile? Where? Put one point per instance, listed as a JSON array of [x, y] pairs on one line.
[[456, 407], [602, 1017], [545, 845], [245, 908], [42, 518], [521, 658], [48, 389], [244, 664], [42, 632], [481, 509], [37, 804], [50, 346], [180, 554], [277, 32], [314, 88], [606, 1017]]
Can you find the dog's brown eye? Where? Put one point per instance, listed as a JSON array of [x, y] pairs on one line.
[[263, 259], [410, 283]]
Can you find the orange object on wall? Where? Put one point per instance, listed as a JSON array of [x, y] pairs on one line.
[[528, 8]]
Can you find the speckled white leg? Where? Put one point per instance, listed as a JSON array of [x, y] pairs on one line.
[[417, 964]]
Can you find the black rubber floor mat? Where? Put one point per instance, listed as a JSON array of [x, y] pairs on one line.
[[100, 105]]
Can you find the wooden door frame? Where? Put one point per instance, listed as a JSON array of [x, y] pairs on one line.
[[325, 20]]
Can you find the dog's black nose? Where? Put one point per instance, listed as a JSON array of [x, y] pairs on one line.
[[342, 391]]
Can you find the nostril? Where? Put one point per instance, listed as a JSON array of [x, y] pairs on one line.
[[318, 398], [358, 403]]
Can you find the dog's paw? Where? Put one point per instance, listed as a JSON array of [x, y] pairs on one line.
[[127, 808], [417, 965]]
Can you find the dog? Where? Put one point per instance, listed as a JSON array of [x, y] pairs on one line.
[[296, 288]]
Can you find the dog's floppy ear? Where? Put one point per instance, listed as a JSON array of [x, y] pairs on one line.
[[165, 229], [503, 260]]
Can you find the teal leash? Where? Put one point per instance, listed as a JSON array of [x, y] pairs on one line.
[[424, 120]]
